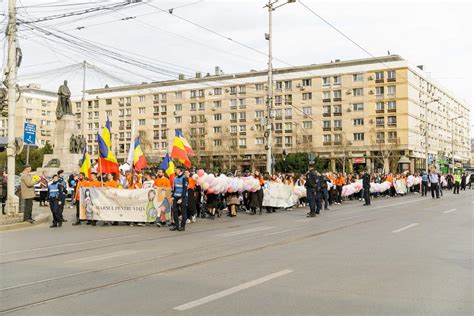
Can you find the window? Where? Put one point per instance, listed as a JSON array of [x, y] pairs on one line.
[[358, 136], [108, 101], [259, 114], [178, 107], [306, 82], [358, 121], [358, 92], [242, 142], [358, 107], [326, 124], [379, 90], [337, 79], [164, 145], [326, 95], [156, 110], [326, 138], [327, 109], [128, 100], [217, 129], [326, 81], [141, 122], [163, 108], [200, 93], [241, 102], [287, 85], [391, 90], [380, 136], [233, 129], [233, 90], [163, 96], [141, 110], [278, 113], [178, 95], [178, 119], [392, 135], [217, 91], [379, 106], [29, 111], [307, 110], [202, 118], [337, 94], [337, 123], [259, 87], [392, 121], [279, 85], [259, 141], [278, 126], [242, 115], [392, 105], [338, 108], [217, 117], [357, 77], [193, 119], [259, 100], [307, 124], [337, 138], [192, 93], [156, 145], [141, 98], [307, 96], [201, 106], [288, 99], [307, 139], [96, 125], [217, 142], [217, 104], [288, 141], [288, 113], [278, 100], [108, 113], [96, 114], [288, 126], [193, 107], [201, 130], [391, 74], [278, 141], [379, 75], [379, 122], [242, 128], [242, 89], [233, 116]]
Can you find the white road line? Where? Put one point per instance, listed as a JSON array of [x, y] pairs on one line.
[[246, 231], [449, 211], [66, 245], [405, 228], [280, 232], [230, 291], [102, 257]]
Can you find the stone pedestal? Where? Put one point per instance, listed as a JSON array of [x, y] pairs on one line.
[[65, 128]]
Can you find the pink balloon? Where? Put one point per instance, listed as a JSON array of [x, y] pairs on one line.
[[200, 172]]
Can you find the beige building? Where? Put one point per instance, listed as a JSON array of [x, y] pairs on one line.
[[35, 106]]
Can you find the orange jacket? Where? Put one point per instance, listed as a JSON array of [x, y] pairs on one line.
[[136, 185], [94, 183], [191, 183], [162, 182], [111, 184], [80, 184], [340, 181]]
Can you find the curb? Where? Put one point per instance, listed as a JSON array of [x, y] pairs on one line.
[[40, 219]]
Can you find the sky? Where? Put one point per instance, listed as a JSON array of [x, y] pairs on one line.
[[436, 34]]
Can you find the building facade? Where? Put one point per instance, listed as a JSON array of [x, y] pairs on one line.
[[35, 106]]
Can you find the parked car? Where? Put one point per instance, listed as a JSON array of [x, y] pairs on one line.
[[70, 190]]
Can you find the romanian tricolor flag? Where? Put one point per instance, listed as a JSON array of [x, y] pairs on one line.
[[86, 163], [107, 161], [187, 147], [179, 150], [167, 165], [139, 161]]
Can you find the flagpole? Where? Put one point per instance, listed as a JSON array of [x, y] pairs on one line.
[[100, 164]]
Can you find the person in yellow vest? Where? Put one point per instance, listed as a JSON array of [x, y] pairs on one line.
[[457, 182]]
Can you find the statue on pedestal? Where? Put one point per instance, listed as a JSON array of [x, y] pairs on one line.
[[64, 101]]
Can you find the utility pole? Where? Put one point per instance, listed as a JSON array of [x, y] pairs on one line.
[[83, 100], [426, 131], [270, 114], [12, 205], [452, 141]]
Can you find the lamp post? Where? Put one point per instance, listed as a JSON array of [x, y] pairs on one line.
[[426, 131], [268, 36], [452, 141]]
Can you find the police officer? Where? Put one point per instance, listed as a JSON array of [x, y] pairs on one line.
[[180, 199], [366, 186], [313, 191], [56, 197]]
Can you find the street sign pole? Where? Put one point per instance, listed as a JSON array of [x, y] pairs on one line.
[[29, 138], [28, 154]]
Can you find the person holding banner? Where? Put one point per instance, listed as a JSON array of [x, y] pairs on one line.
[[77, 195], [161, 181], [111, 183], [180, 200], [93, 182]]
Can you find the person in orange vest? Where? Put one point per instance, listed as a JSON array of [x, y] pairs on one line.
[[136, 183], [340, 182], [161, 180], [191, 206], [111, 183], [93, 182], [77, 195]]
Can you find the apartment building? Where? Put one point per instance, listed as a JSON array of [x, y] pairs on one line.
[[35, 106], [355, 113]]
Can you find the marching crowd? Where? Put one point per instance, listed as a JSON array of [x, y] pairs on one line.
[[191, 200]]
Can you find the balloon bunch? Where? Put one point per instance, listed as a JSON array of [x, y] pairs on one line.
[[379, 187], [224, 184], [299, 191], [351, 188]]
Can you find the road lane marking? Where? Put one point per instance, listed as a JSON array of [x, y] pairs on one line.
[[246, 231], [280, 232], [449, 211], [405, 228], [65, 245], [102, 257], [232, 290]]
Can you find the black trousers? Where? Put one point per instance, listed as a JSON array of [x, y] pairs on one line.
[[325, 197], [367, 196], [424, 188], [177, 209], [434, 188], [28, 209], [61, 208], [339, 194], [56, 211], [314, 200], [456, 188], [191, 203]]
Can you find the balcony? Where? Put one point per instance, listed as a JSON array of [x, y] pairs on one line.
[[163, 112], [379, 96], [288, 131], [380, 111], [337, 99], [243, 133], [392, 110], [233, 133], [278, 131], [339, 143], [326, 129], [163, 125], [156, 137], [156, 101], [242, 146], [242, 120], [327, 143], [337, 113], [278, 145], [392, 140], [128, 104], [379, 125], [380, 141], [288, 117], [233, 121], [156, 125], [379, 80], [326, 114], [163, 101], [326, 100], [391, 79], [339, 128], [279, 118], [242, 106], [392, 124]]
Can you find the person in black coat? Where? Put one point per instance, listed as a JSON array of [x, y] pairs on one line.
[[366, 186]]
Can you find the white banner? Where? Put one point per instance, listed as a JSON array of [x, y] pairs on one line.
[[109, 204], [278, 195]]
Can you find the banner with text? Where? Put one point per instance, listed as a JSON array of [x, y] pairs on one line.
[[278, 195], [109, 204]]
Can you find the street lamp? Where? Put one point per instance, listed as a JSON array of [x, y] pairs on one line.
[[426, 131], [452, 141], [268, 36]]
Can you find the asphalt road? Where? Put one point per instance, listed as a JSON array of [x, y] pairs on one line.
[[400, 256]]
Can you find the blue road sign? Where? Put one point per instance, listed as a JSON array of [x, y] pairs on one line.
[[29, 134]]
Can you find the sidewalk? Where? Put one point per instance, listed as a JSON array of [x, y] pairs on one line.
[[40, 215]]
